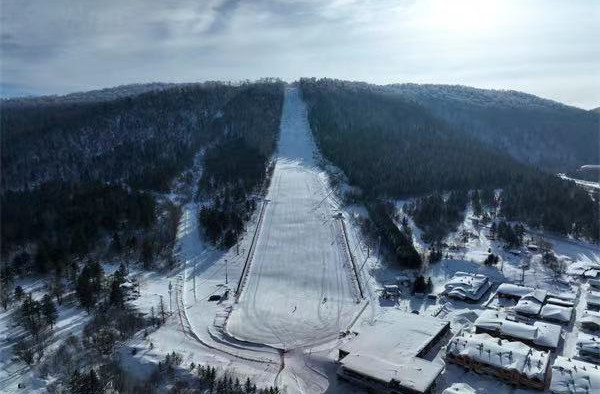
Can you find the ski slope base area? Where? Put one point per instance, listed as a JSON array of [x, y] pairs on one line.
[[299, 289]]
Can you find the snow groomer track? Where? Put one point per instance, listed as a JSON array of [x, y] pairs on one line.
[[300, 287]]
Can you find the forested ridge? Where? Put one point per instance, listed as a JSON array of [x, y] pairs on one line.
[[237, 166], [73, 171], [536, 131], [389, 146], [121, 146], [395, 148], [142, 141]]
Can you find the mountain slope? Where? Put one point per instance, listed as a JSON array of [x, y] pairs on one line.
[[390, 146], [394, 148], [535, 131], [58, 158]]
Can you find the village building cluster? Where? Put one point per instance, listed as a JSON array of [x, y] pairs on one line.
[[392, 358], [537, 303], [531, 334], [517, 338]]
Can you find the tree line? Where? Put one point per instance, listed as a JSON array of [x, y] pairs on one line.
[[438, 216], [237, 167], [393, 148]]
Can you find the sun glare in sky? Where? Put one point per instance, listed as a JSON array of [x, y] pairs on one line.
[[545, 47], [462, 16]]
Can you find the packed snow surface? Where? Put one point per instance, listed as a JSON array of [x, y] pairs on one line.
[[299, 289]]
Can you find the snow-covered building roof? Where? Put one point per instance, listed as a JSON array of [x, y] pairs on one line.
[[588, 346], [531, 303], [518, 330], [539, 333], [592, 273], [595, 283], [511, 290], [559, 301], [590, 319], [391, 289], [459, 388], [467, 286], [564, 295], [574, 377], [528, 305], [548, 335], [593, 298], [390, 350], [584, 267], [538, 295], [557, 313], [502, 354]]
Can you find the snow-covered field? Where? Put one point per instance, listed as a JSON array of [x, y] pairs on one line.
[[299, 289]]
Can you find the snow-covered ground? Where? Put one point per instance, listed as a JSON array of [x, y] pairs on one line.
[[299, 288], [586, 184]]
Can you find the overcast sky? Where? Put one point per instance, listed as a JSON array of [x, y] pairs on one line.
[[547, 47]]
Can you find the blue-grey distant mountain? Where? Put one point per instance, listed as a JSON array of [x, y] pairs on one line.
[[534, 130], [100, 95]]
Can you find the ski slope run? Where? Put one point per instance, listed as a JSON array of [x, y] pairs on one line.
[[299, 290]]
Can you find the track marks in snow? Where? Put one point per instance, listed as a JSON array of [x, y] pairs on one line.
[[299, 289]]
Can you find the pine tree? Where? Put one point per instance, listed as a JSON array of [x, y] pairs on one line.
[[31, 315], [58, 288], [248, 386], [49, 310], [5, 285], [476, 200], [116, 244], [19, 293], [117, 294], [85, 290], [161, 310], [75, 383], [147, 254], [95, 384], [429, 285]]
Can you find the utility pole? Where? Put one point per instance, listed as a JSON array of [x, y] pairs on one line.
[[170, 303], [379, 249], [225, 271], [194, 279]]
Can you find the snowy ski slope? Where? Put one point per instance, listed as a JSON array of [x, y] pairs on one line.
[[299, 289]]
